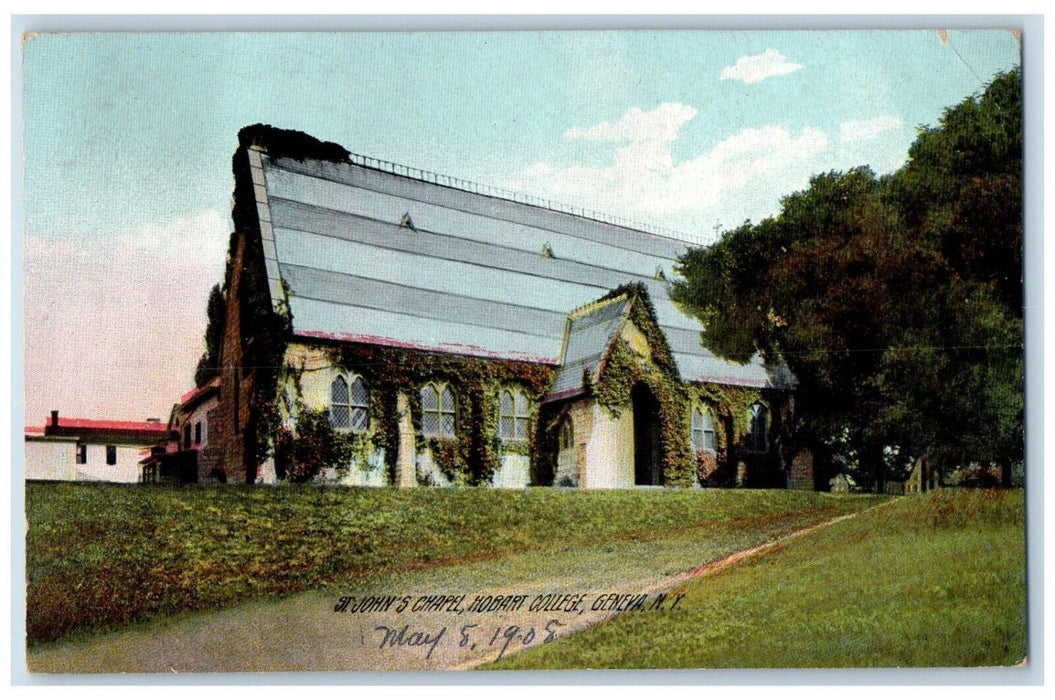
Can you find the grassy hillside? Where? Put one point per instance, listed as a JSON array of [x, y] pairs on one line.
[[936, 580], [100, 556]]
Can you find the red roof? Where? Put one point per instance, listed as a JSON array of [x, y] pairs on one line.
[[125, 431], [197, 391], [87, 423], [441, 348]]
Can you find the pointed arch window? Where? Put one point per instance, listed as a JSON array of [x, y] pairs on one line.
[[512, 416], [349, 403], [567, 473], [757, 439], [437, 411], [566, 439], [703, 430]]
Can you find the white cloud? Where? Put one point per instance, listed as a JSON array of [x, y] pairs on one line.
[[855, 130], [661, 124], [642, 182], [114, 326], [752, 69]]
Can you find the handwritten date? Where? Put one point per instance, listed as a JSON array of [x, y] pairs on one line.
[[470, 636]]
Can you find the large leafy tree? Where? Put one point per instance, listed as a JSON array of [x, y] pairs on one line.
[[806, 288], [896, 302], [961, 193], [962, 189]]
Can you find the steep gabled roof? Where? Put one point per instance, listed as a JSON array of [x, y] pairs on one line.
[[589, 333], [361, 253]]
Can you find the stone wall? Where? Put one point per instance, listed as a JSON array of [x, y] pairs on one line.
[[211, 450], [800, 472], [232, 410], [514, 472], [603, 455]]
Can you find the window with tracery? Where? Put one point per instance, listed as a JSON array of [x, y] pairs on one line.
[[703, 430], [758, 436], [437, 411], [349, 403], [512, 416]]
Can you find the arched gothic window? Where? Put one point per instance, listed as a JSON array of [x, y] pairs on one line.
[[349, 404], [566, 438], [758, 437], [703, 430], [512, 416], [437, 411]]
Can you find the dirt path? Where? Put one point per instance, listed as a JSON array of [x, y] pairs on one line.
[[667, 587], [449, 618]]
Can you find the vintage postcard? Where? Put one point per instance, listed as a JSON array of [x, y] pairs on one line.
[[445, 351]]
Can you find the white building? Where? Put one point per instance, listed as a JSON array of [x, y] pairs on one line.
[[79, 449]]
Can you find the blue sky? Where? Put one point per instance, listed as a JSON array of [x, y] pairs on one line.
[[128, 138]]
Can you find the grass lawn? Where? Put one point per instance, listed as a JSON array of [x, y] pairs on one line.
[[934, 580], [99, 557]]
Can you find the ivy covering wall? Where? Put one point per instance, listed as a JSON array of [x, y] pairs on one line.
[[312, 446], [473, 455], [305, 444], [730, 405], [622, 369]]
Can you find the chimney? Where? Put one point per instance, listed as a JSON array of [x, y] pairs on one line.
[[54, 419]]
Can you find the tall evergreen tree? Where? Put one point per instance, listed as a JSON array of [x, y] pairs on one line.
[[209, 363]]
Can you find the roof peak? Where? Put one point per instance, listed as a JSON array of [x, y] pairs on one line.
[[517, 197], [289, 143], [597, 304]]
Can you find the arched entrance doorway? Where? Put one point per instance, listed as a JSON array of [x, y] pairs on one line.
[[647, 468]]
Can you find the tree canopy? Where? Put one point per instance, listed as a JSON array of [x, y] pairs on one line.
[[895, 301]]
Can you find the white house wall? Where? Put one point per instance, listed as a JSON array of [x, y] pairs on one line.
[[126, 471], [57, 460], [200, 414], [428, 470], [316, 374], [373, 473], [51, 460]]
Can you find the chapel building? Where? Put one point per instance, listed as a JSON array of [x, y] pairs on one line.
[[390, 327]]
